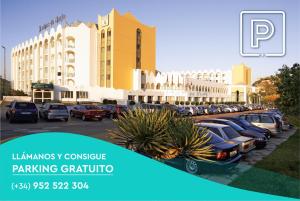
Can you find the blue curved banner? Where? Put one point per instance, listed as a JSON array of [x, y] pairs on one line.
[[64, 166]]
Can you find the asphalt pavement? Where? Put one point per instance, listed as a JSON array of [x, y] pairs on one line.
[[101, 130]]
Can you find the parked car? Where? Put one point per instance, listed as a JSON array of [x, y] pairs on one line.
[[248, 126], [260, 138], [284, 124], [172, 108], [225, 151], [109, 110], [213, 109], [201, 110], [54, 111], [225, 108], [246, 144], [150, 106], [22, 111], [183, 112], [264, 121], [192, 110], [87, 112], [226, 155]]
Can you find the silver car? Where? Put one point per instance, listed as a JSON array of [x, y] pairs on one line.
[[54, 111], [246, 144], [264, 121]]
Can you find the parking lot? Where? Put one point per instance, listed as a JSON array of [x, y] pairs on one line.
[[97, 129], [100, 130]]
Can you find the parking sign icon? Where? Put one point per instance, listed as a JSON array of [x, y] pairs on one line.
[[262, 33]]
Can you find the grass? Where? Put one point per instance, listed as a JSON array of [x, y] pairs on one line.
[[278, 173]]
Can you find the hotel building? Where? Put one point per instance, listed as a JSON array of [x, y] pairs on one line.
[[114, 59]]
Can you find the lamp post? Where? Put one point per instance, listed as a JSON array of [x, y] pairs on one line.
[[4, 67]]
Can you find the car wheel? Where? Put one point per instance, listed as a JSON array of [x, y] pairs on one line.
[[83, 117], [111, 116], [7, 116], [66, 119], [191, 166], [100, 119], [35, 120], [190, 114]]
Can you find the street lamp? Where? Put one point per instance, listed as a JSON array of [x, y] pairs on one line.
[[4, 67]]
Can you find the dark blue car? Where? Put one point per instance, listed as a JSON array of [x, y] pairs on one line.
[[226, 155], [246, 125], [22, 111]]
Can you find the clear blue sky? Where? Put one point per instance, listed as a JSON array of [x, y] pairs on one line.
[[191, 34]]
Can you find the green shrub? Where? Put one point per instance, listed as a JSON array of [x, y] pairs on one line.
[[159, 134]]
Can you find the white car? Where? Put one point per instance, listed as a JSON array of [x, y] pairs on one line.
[[246, 144]]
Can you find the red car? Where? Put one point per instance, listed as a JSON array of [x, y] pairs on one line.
[[86, 112]]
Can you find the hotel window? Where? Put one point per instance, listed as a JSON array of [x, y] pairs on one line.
[[108, 57], [67, 94], [102, 61], [82, 94], [138, 48]]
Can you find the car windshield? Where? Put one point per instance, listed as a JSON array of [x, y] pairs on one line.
[[235, 126], [58, 107], [230, 132], [91, 107], [25, 106]]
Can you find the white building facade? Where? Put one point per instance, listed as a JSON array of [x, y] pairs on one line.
[[67, 58]]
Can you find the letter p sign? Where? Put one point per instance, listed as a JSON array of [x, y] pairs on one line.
[[262, 33], [261, 30]]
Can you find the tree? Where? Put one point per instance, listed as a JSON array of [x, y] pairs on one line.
[[267, 89], [287, 83]]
